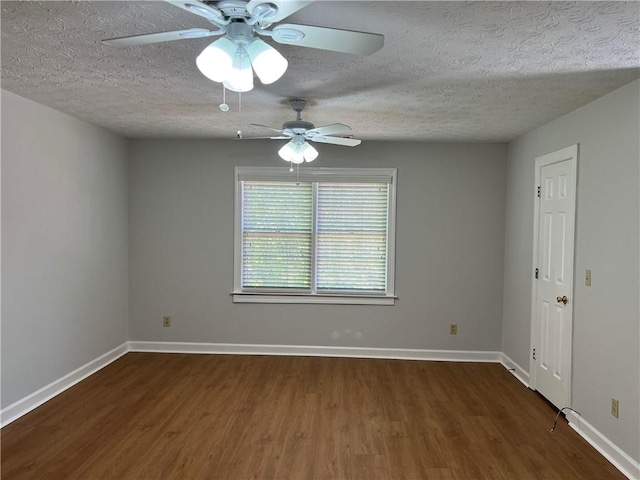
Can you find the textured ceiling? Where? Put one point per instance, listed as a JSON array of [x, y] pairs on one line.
[[449, 71]]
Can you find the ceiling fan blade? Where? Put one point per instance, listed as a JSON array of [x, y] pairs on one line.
[[279, 130], [281, 137], [268, 14], [336, 40], [332, 129], [345, 142], [147, 38], [199, 8]]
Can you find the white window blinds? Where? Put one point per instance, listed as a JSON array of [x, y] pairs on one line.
[[351, 239], [276, 235]]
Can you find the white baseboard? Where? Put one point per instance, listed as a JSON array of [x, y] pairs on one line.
[[517, 371], [627, 465], [622, 461], [315, 351], [37, 398]]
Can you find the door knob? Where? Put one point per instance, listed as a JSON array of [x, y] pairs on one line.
[[562, 299]]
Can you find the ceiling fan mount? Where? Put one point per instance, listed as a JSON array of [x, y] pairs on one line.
[[298, 105]]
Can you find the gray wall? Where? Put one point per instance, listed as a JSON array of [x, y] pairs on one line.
[[64, 245], [606, 342], [449, 262]]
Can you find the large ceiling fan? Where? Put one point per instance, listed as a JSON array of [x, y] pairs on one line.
[[230, 59], [299, 131]]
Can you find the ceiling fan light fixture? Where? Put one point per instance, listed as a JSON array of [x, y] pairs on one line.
[[267, 62], [298, 152], [309, 153], [240, 78], [291, 153], [216, 61]]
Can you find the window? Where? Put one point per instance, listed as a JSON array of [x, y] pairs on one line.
[[323, 236]]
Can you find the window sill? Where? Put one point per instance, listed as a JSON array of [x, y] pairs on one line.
[[332, 299]]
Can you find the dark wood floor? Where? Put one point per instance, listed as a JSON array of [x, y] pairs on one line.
[[236, 417]]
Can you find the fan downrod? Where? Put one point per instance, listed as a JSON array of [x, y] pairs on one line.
[[298, 125], [298, 106]]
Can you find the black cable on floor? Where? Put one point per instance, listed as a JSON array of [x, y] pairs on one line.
[[555, 422]]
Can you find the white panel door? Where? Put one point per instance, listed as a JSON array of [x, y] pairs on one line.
[[553, 304]]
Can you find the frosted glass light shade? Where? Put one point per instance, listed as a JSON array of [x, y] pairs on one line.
[[240, 78], [291, 153], [268, 63], [298, 152], [309, 153], [216, 60]]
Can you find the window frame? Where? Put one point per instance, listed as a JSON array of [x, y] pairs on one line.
[[310, 174]]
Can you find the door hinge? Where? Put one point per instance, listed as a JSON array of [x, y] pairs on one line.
[[534, 353], [537, 272], [538, 191]]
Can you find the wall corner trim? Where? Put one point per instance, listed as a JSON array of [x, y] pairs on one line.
[[316, 351], [621, 460], [37, 398], [515, 369]]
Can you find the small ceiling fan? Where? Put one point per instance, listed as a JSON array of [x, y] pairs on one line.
[[230, 59], [299, 131]]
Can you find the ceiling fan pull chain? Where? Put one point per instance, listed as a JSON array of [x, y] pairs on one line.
[[239, 114], [223, 106]]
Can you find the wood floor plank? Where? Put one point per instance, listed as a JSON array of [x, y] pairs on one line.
[[333, 446], [297, 458], [365, 412], [402, 451], [174, 416], [369, 467]]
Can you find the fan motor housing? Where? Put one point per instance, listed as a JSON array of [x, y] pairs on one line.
[[298, 124]]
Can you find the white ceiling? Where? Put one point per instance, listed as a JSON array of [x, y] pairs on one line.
[[449, 71]]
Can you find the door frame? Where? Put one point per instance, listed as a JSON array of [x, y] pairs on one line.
[[571, 154]]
